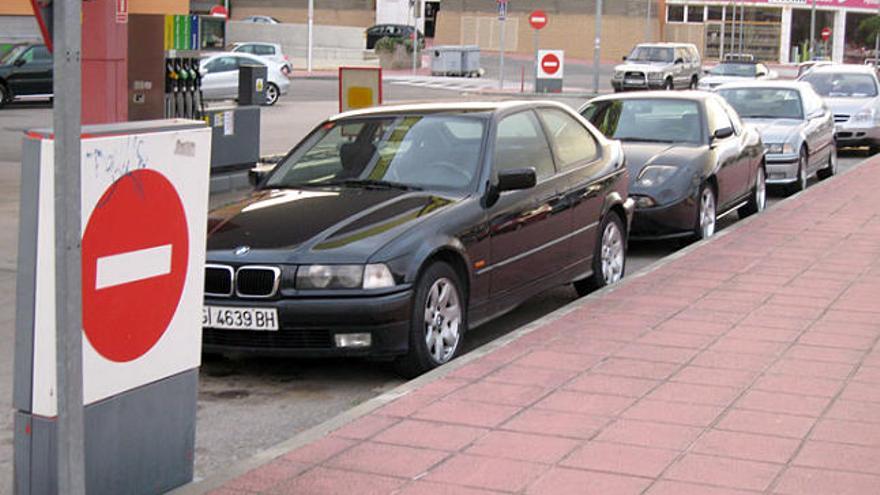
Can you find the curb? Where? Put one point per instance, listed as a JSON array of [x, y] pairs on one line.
[[318, 431]]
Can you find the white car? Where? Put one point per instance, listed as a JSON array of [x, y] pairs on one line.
[[261, 19], [734, 71], [220, 76], [271, 51]]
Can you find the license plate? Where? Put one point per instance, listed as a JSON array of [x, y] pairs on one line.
[[235, 318]]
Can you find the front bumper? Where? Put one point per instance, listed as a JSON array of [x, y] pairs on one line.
[[848, 135], [665, 222], [782, 169], [308, 326], [624, 85]]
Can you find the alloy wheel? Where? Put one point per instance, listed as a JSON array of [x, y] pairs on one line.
[[271, 94], [442, 320], [612, 254], [707, 213]]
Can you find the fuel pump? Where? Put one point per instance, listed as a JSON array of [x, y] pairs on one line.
[[179, 97]]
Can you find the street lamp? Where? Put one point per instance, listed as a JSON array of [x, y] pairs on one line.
[[812, 30]]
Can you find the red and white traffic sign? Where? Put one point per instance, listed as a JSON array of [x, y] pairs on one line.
[[826, 33], [538, 19], [550, 64], [122, 11], [135, 249]]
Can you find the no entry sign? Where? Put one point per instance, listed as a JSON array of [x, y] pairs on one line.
[[135, 249], [538, 19], [826, 33], [550, 64]]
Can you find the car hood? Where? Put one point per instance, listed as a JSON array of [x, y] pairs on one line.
[[719, 80], [848, 106], [775, 130], [685, 156], [335, 225], [643, 66]]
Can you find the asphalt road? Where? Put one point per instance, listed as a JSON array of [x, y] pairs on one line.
[[246, 405]]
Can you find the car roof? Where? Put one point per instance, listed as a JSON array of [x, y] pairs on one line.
[[667, 44], [445, 107], [844, 68], [658, 95], [774, 84]]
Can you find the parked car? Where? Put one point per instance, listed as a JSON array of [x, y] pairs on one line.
[[796, 127], [399, 31], [851, 92], [809, 65], [271, 51], [220, 76], [261, 19], [690, 158], [388, 232], [733, 70], [659, 66], [25, 72]]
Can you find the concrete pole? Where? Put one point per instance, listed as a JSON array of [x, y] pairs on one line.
[[649, 31], [742, 25], [812, 29], [311, 35], [723, 25], [535, 60], [733, 30], [415, 38], [502, 22], [597, 47], [67, 126]]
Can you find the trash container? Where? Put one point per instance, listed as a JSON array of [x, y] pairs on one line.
[[470, 61], [446, 61]]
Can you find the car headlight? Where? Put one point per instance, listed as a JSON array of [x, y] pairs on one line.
[[779, 148], [378, 276], [654, 175], [374, 276], [618, 74], [655, 76], [866, 116]]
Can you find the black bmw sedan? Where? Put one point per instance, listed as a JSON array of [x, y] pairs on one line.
[[690, 158], [389, 232]]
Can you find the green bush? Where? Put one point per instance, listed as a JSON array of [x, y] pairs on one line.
[[389, 45]]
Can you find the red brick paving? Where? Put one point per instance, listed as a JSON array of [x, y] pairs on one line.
[[748, 365]]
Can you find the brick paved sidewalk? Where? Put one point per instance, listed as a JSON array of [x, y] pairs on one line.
[[748, 364]]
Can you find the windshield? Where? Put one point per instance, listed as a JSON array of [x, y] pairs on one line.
[[842, 85], [650, 54], [736, 70], [11, 55], [767, 103], [415, 151], [651, 120]]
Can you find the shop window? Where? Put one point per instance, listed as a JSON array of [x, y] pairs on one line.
[[714, 13], [675, 13], [695, 13]]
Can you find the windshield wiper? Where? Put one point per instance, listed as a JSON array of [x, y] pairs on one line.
[[372, 183], [644, 140]]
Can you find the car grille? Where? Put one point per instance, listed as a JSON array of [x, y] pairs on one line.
[[634, 76], [841, 117], [257, 281], [218, 280], [293, 339]]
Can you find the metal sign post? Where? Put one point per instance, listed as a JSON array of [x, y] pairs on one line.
[[67, 126], [538, 20], [813, 30], [597, 46], [502, 17], [311, 34]]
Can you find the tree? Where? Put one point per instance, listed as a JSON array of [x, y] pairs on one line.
[[868, 30]]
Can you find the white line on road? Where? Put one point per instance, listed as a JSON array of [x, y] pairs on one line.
[[132, 266]]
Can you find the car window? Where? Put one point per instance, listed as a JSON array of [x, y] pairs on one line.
[[716, 116], [264, 50], [695, 54], [733, 116], [664, 120], [41, 54], [650, 54], [222, 64], [680, 54], [572, 142], [249, 61], [520, 143], [812, 101], [244, 49], [767, 103]]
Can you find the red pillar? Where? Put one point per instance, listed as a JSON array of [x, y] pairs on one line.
[[104, 64]]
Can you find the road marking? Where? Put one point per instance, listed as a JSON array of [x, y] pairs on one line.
[[118, 269]]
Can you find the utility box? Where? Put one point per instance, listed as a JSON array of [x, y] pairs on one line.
[[252, 81], [446, 61], [470, 60], [235, 137]]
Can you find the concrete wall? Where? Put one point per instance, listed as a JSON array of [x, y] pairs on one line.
[[19, 28], [331, 42], [23, 7], [687, 33], [360, 13]]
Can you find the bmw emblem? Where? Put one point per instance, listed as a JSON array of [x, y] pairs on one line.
[[242, 250]]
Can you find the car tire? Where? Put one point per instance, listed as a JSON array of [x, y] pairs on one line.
[[436, 328], [831, 169], [272, 94], [668, 85], [609, 256], [800, 182], [707, 213], [694, 83], [758, 199], [4, 95]]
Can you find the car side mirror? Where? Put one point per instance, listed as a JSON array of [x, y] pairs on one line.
[[257, 174], [516, 179], [19, 62], [723, 133], [760, 74], [624, 58]]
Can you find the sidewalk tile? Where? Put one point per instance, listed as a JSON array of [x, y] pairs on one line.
[[775, 402], [612, 385], [676, 339], [466, 413], [619, 458], [522, 446], [860, 391], [486, 472], [868, 412], [799, 480], [406, 405], [723, 471], [818, 369], [693, 326], [673, 412], [324, 481], [810, 302], [430, 435], [443, 386], [662, 353], [737, 345], [767, 423], [856, 342], [667, 487], [691, 393], [768, 320], [635, 368], [749, 332], [868, 374], [714, 376], [805, 313], [577, 343], [319, 451], [799, 385], [390, 460], [525, 375], [835, 430], [559, 360], [746, 446], [476, 369], [266, 476], [499, 393], [562, 481], [710, 316], [584, 403], [845, 328], [727, 360], [830, 354], [365, 427], [429, 488], [556, 423], [649, 434], [838, 456]]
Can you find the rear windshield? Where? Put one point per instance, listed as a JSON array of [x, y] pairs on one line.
[[766, 103], [736, 70], [833, 84], [647, 120]]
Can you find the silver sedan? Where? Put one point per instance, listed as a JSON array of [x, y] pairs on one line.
[[796, 126]]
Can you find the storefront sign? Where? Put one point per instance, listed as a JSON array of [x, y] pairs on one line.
[[850, 4]]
